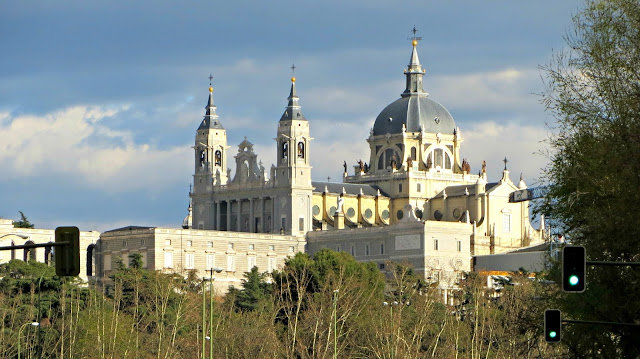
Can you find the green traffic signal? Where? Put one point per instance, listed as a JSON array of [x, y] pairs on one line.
[[573, 280], [552, 325], [574, 268]]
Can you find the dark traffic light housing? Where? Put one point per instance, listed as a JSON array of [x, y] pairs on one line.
[[67, 257], [574, 268], [552, 325]]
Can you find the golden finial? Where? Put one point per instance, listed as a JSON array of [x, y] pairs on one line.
[[415, 42], [293, 79], [210, 89]]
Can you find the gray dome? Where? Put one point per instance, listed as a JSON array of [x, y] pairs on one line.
[[414, 111]]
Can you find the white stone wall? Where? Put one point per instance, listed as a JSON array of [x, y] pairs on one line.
[[189, 249], [38, 236]]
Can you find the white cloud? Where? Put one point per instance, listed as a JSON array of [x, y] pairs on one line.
[[492, 141], [72, 144], [505, 90]]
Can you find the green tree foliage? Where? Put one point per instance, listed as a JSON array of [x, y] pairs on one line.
[[23, 222], [594, 92], [255, 292]]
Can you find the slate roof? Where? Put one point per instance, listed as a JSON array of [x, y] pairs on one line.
[[458, 191], [210, 120], [128, 228], [293, 111], [413, 112], [350, 188]]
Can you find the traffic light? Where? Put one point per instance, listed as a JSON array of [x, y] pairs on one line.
[[574, 268], [67, 257], [552, 325]]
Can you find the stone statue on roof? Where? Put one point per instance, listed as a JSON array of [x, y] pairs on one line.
[[339, 203]]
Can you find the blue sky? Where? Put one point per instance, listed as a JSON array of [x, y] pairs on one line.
[[99, 101]]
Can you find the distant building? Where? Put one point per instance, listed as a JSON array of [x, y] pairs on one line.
[[10, 236], [172, 250]]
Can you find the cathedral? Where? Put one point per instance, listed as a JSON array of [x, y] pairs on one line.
[[414, 201]]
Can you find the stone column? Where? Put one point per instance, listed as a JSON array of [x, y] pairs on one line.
[[239, 216], [274, 228], [228, 215], [252, 221], [217, 215], [262, 215]]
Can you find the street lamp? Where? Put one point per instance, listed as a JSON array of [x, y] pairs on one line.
[[23, 236], [35, 324], [393, 329], [204, 336]]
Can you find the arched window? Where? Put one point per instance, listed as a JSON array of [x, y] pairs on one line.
[[203, 156], [285, 150], [300, 149], [438, 155], [414, 154], [439, 158], [218, 158]]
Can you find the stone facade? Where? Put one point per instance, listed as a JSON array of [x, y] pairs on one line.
[[12, 236], [181, 250]]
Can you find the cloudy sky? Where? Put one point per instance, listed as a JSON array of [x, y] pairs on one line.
[[100, 100]]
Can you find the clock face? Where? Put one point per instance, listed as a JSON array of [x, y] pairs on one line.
[[456, 213], [316, 210], [283, 202]]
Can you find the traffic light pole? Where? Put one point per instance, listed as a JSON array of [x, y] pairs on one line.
[[26, 246], [613, 324], [606, 263]]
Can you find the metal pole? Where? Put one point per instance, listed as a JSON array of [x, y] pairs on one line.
[[211, 314], [19, 334], [601, 323], [39, 348], [607, 263], [35, 324], [40, 245], [204, 323], [335, 324]]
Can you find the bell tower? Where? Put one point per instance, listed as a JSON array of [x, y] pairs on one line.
[[292, 173], [210, 160]]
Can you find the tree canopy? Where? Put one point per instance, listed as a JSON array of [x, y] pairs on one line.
[[593, 90], [23, 222]]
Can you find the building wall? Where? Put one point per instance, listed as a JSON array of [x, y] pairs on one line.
[[38, 236], [180, 250], [410, 241]]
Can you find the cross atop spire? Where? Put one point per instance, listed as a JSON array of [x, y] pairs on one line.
[[505, 163], [415, 38], [293, 70], [414, 71], [210, 78]]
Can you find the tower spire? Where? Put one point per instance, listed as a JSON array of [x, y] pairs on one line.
[[293, 111], [414, 71], [210, 117]]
